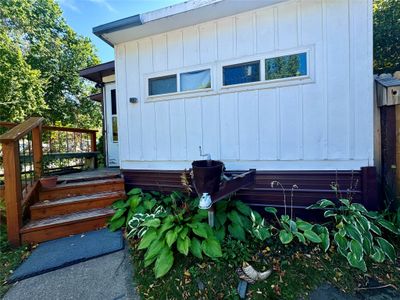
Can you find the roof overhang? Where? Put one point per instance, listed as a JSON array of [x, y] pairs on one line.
[[174, 17], [96, 97], [98, 72]]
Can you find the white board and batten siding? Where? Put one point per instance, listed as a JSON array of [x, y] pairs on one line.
[[323, 123]]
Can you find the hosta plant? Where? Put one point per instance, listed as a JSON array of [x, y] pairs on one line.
[[358, 232], [137, 202], [179, 228], [289, 230], [239, 220]]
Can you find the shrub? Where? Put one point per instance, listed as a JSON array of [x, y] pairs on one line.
[[177, 225], [358, 232], [239, 220]]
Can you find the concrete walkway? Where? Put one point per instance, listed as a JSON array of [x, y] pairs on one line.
[[107, 277]]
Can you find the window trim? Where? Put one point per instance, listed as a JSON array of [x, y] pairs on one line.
[[178, 72], [216, 72], [308, 78]]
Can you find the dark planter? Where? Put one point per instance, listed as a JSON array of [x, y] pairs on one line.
[[48, 182], [207, 175]]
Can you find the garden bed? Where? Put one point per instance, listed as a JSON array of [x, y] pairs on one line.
[[177, 255], [296, 274]]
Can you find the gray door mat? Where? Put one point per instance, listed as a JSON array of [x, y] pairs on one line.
[[56, 254]]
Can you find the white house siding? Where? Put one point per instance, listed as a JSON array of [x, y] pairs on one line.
[[326, 124]]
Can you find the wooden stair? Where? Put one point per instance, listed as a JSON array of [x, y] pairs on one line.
[[72, 207]]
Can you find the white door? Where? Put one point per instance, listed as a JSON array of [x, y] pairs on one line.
[[111, 126]]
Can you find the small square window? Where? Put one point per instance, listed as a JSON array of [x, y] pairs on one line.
[[195, 80], [241, 73], [286, 66], [162, 85]]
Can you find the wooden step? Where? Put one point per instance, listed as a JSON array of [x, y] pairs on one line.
[[86, 178], [81, 188], [46, 209], [61, 226]]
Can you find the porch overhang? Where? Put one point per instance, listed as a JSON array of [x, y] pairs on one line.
[[98, 72]]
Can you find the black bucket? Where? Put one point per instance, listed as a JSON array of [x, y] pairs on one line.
[[207, 175]]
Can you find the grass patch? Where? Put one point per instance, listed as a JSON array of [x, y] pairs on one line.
[[10, 258], [297, 271]]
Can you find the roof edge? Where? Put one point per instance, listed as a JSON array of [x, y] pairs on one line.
[[117, 25]]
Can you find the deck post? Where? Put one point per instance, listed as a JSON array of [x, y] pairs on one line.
[[37, 151], [93, 148], [12, 191]]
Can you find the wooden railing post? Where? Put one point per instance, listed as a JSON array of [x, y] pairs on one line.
[[93, 148], [12, 191], [37, 151]]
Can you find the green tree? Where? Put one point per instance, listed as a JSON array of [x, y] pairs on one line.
[[386, 36], [56, 53], [21, 86]]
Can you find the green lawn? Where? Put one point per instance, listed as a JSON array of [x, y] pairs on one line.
[[10, 258], [296, 273]]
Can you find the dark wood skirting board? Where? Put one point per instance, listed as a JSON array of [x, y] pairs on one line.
[[312, 185]]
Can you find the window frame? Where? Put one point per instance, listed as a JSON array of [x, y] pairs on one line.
[[216, 73], [308, 78], [179, 93]]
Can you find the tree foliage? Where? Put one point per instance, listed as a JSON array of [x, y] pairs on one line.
[[386, 36], [49, 55]]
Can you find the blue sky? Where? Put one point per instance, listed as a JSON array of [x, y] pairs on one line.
[[83, 15]]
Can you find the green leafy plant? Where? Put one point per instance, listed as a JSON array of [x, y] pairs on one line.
[[176, 227], [235, 252], [289, 228], [239, 220], [304, 232], [358, 232], [137, 202]]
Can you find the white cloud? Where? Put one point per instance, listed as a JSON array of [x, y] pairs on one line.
[[104, 3], [71, 4]]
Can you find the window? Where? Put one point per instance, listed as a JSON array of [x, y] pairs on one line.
[[162, 85], [286, 66], [180, 82], [114, 118], [195, 80], [241, 73]]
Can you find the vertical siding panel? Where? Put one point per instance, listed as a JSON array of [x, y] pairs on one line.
[[290, 123], [265, 30], [314, 137], [225, 38], [244, 35], [133, 90], [248, 125], [160, 53], [268, 129], [175, 49], [211, 126], [229, 126], [191, 46], [122, 103], [194, 134], [287, 25], [361, 93], [147, 108], [208, 42], [162, 130], [338, 78], [178, 129]]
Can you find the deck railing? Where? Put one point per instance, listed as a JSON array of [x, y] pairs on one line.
[[18, 142], [30, 150]]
